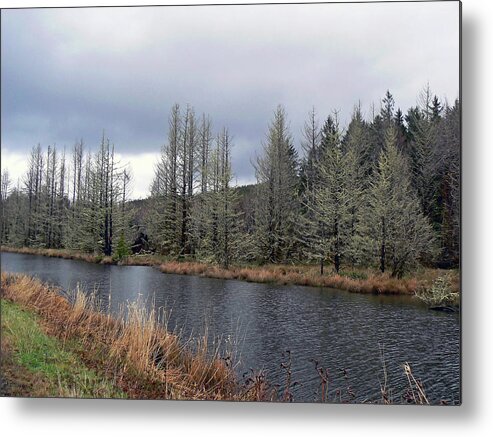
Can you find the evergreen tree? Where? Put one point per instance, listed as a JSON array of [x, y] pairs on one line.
[[387, 110], [5, 191], [394, 224], [277, 182], [448, 200], [332, 208], [310, 145], [386, 192], [357, 139], [164, 218], [424, 130], [330, 136]]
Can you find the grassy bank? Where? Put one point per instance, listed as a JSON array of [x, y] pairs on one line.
[[68, 347], [73, 349], [351, 279], [37, 365]]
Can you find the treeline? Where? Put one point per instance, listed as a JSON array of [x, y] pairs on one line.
[[383, 192], [78, 205], [193, 206]]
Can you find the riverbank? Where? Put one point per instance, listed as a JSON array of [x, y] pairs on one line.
[[68, 347], [351, 279], [53, 346], [27, 372]]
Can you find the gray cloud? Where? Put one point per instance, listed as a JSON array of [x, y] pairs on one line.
[[70, 73]]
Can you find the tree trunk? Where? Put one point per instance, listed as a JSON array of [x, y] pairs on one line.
[[382, 249]]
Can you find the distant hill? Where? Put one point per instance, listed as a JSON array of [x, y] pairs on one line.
[[141, 207]]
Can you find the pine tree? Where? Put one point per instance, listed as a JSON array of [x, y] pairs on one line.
[[164, 218], [424, 131], [310, 145], [387, 110], [332, 208], [330, 135], [277, 182], [372, 195], [218, 218], [394, 223], [357, 139], [448, 200], [5, 191]]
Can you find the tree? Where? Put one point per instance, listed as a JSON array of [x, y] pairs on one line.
[[122, 250], [387, 110], [5, 188], [33, 188], [394, 223], [216, 214], [332, 207], [310, 145], [383, 192], [163, 223], [206, 138], [277, 182], [71, 236], [424, 132], [357, 139], [330, 135], [401, 131], [448, 163], [174, 185]]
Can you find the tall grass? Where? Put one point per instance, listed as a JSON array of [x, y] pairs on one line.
[[146, 359], [61, 253], [367, 282], [41, 365]]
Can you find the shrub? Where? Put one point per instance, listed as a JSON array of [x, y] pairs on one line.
[[122, 250], [440, 293]]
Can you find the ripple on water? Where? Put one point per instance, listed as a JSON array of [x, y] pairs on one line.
[[340, 330]]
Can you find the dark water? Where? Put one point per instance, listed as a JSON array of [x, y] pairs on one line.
[[338, 329]]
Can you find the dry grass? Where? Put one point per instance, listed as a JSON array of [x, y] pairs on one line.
[[145, 361], [143, 358], [365, 280], [351, 279], [60, 253]]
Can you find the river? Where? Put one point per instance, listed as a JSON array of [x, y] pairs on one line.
[[343, 332]]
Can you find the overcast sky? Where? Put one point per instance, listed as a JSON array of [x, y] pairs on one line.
[[70, 73]]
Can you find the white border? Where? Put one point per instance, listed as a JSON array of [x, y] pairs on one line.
[[153, 418]]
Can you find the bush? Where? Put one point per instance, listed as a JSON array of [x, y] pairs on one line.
[[440, 293], [122, 250]]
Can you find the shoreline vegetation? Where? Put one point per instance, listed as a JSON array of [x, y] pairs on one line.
[[57, 346], [437, 288], [381, 193], [135, 355]]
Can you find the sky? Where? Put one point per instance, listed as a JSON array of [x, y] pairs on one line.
[[68, 74]]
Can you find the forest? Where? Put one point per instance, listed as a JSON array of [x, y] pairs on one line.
[[382, 192]]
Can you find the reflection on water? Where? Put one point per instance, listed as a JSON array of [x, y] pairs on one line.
[[341, 331]]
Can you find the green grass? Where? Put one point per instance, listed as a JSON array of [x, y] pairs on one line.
[[57, 365]]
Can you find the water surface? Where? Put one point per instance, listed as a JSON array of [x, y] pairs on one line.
[[343, 332]]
